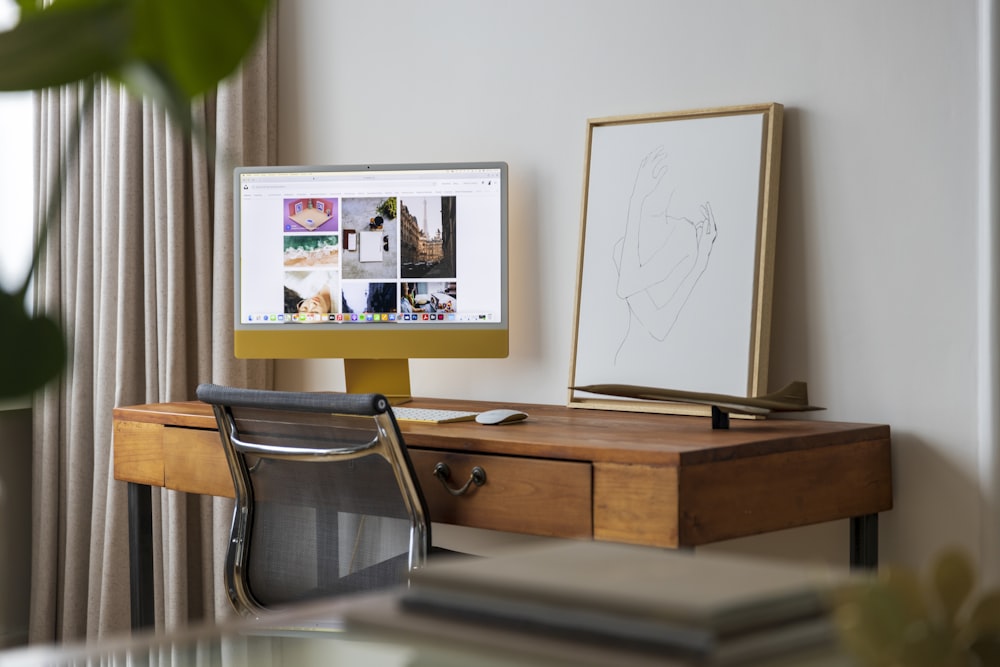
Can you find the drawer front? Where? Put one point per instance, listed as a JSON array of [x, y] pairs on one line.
[[522, 495]]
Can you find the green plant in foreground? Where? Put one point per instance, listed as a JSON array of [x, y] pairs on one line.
[[170, 51], [898, 619]]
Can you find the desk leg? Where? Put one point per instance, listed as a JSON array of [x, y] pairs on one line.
[[140, 555], [864, 542]]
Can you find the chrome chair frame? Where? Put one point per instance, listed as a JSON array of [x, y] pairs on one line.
[[388, 444]]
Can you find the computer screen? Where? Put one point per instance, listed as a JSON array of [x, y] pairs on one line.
[[373, 264]]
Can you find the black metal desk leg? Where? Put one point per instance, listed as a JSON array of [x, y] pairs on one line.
[[140, 555], [864, 542]]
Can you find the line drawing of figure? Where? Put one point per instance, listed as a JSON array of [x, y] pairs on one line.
[[661, 257]]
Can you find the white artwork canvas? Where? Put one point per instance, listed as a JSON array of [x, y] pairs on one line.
[[675, 258]]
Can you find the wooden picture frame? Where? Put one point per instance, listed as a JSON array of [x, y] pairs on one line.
[[675, 270]]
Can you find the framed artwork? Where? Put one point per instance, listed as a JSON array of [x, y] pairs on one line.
[[676, 255]]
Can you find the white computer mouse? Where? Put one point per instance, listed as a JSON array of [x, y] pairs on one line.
[[500, 416]]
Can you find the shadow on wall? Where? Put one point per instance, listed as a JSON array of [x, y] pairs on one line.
[[944, 510], [790, 340]]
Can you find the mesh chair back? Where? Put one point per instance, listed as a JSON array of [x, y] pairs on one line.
[[326, 497]]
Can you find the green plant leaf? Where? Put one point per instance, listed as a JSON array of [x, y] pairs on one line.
[[194, 44], [32, 348], [928, 646], [29, 6], [985, 616], [873, 620], [64, 43], [953, 579], [988, 650], [905, 585], [169, 50]]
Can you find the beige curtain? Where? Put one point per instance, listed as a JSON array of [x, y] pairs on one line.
[[139, 272]]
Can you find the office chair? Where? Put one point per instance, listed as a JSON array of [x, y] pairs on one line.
[[327, 502]]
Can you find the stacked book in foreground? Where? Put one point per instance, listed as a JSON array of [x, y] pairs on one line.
[[628, 600]]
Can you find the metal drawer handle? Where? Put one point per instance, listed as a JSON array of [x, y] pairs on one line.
[[443, 473]]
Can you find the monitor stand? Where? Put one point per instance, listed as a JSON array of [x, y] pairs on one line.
[[389, 377]]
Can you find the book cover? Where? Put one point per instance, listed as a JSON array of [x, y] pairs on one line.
[[689, 604]]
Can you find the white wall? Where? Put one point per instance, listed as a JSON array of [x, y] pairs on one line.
[[876, 290]]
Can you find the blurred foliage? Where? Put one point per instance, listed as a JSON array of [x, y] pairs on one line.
[[169, 51], [898, 619]]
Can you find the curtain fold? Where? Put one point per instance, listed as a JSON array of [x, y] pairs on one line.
[[139, 272]]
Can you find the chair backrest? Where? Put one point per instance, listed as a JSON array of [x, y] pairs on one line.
[[326, 499]]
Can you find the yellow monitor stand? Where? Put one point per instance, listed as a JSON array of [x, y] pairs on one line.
[[389, 377]]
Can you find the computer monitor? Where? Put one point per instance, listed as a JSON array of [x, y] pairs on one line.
[[372, 264]]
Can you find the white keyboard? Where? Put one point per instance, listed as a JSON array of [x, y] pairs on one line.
[[432, 416]]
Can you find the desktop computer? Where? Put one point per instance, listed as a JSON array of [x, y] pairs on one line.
[[372, 264]]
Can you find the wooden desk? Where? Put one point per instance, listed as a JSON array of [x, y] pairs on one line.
[[639, 478]]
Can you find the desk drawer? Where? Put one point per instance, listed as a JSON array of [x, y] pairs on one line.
[[521, 495]]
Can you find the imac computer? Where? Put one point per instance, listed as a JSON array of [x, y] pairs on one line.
[[372, 264]]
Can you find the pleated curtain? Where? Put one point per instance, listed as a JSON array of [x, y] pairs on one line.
[[139, 272]]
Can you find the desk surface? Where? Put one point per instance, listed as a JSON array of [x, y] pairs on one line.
[[582, 434], [621, 476]]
